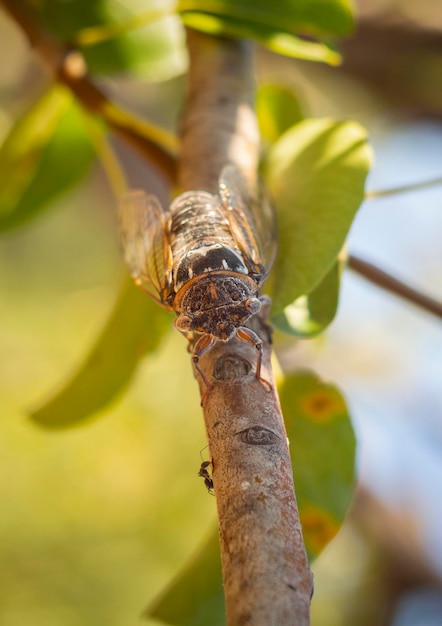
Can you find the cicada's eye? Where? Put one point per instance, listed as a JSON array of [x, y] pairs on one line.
[[183, 323], [253, 305]]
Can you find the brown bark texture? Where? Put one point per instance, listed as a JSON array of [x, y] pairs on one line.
[[266, 573]]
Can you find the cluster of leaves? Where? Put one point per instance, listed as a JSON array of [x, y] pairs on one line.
[[314, 170]]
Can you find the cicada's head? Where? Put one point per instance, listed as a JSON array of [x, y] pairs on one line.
[[217, 304]]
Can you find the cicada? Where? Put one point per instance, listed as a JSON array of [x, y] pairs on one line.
[[206, 258]]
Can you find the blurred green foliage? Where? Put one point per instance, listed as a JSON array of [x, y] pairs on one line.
[[153, 51], [96, 520], [46, 152], [258, 20], [136, 327], [323, 17], [154, 48], [277, 109]]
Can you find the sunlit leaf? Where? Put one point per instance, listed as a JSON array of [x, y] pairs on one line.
[[281, 42], [322, 449], [309, 315], [311, 17], [156, 51], [315, 174], [46, 153], [135, 327], [277, 110], [196, 596]]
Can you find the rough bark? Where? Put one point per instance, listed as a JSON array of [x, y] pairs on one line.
[[218, 123]]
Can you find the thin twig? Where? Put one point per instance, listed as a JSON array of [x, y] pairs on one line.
[[384, 280], [69, 68], [266, 573], [381, 193]]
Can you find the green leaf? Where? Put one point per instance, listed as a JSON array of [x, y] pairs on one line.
[[322, 447], [278, 110], [196, 596], [135, 327], [155, 51], [310, 315], [313, 17], [277, 29], [281, 42], [315, 174], [46, 153]]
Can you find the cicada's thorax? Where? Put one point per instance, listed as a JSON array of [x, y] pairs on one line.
[[200, 239], [214, 293]]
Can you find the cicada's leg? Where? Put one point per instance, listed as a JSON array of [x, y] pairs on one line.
[[203, 345], [249, 336]]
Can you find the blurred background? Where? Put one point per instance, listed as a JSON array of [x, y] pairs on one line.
[[95, 520]]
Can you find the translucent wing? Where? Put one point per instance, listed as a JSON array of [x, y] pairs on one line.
[[252, 221], [144, 227]]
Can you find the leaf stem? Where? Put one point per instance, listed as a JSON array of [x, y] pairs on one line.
[[388, 282], [107, 156]]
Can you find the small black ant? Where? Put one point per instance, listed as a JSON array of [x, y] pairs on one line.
[[204, 473]]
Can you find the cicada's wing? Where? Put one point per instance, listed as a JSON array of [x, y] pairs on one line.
[[252, 221], [144, 227]]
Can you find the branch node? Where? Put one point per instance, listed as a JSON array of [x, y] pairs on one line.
[[231, 367]]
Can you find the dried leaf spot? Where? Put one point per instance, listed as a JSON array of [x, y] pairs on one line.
[[258, 436], [231, 367], [258, 479], [318, 528], [322, 405]]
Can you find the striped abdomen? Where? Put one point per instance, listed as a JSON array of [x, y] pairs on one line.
[[201, 239]]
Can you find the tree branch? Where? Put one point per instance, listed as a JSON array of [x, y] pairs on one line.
[[69, 68], [384, 280], [385, 48], [266, 574]]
